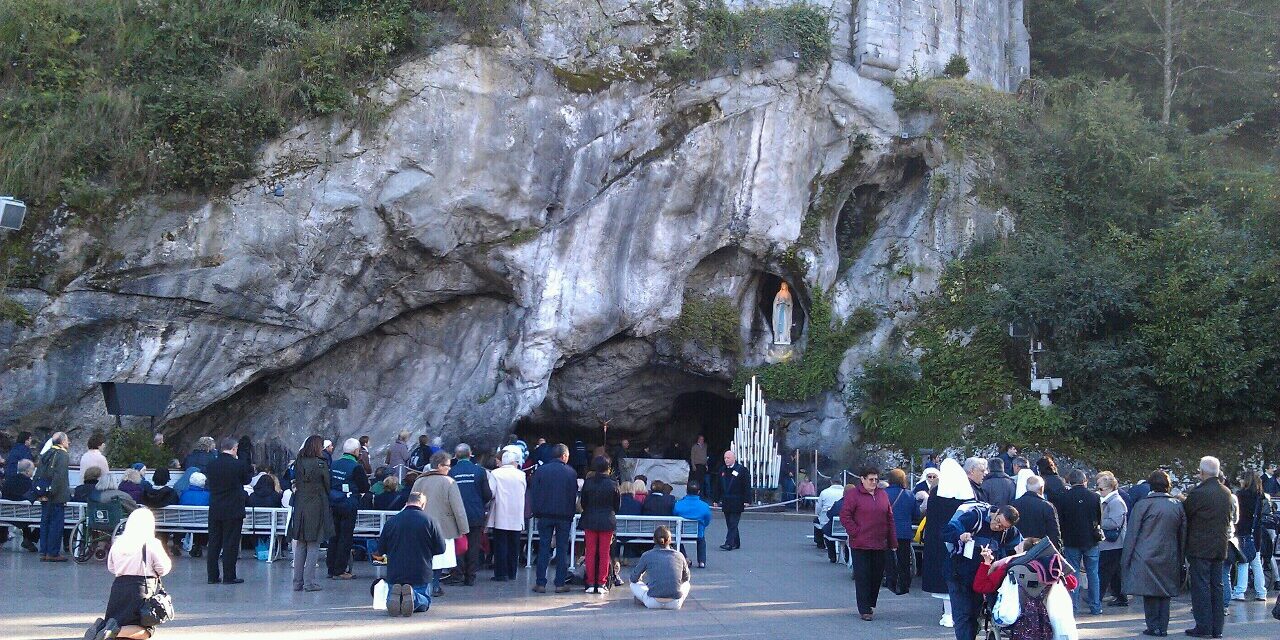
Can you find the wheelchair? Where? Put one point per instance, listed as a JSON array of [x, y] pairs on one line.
[[92, 536]]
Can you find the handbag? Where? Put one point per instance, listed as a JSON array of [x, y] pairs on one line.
[[919, 537], [157, 607], [1234, 554]]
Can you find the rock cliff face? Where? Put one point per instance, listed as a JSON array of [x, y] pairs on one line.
[[508, 244]]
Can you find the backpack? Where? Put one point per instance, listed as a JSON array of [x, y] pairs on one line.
[[42, 483]]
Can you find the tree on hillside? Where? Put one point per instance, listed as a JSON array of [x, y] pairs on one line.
[[1214, 61]]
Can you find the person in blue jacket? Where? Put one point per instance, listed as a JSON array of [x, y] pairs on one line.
[[987, 527], [691, 507], [905, 510], [411, 539]]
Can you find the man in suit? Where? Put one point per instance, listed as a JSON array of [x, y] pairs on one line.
[[735, 492], [1210, 515], [1038, 518], [225, 480], [1081, 512]]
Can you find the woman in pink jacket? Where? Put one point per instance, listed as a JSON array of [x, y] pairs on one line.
[[868, 519], [138, 560]]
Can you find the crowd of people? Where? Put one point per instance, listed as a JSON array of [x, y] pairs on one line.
[[456, 513], [1147, 540], [459, 512]]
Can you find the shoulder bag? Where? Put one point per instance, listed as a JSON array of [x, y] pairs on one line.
[[1110, 535], [157, 607]]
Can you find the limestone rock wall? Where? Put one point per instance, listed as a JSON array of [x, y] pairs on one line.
[[506, 244]]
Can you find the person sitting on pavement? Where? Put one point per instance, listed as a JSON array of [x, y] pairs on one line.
[[660, 580], [693, 507], [410, 539]]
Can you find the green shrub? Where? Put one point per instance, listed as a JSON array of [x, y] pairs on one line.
[[11, 311], [957, 66], [136, 444], [728, 39], [710, 321]]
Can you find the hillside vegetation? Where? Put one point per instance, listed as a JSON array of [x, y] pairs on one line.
[[1147, 257]]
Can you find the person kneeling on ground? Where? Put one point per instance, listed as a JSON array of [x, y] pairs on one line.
[[138, 561], [410, 539], [667, 572]]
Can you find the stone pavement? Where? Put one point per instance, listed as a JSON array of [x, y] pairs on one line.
[[777, 586]]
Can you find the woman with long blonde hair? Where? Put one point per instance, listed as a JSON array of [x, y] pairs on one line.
[[138, 560]]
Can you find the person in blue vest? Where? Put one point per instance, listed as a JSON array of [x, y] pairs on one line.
[[986, 527], [347, 480], [735, 493], [410, 540], [473, 485], [692, 507]]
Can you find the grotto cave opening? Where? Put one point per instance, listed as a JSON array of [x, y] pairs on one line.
[[666, 421], [704, 413]]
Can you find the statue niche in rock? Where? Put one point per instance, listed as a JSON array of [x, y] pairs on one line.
[[783, 316]]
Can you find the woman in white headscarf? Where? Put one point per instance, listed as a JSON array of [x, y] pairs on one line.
[[1021, 482], [952, 490], [137, 559]]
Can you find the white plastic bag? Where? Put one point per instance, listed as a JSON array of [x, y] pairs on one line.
[[1058, 605], [1008, 607], [380, 591], [446, 560]]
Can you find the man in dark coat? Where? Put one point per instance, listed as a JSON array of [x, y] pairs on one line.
[[225, 479], [735, 493], [1006, 459], [473, 485], [410, 539], [1081, 513], [998, 486], [553, 498], [347, 482], [1038, 518], [1210, 515], [53, 507]]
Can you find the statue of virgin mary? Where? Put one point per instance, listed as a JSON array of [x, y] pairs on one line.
[[782, 316]]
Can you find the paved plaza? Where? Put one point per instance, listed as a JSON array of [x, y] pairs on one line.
[[777, 586]]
